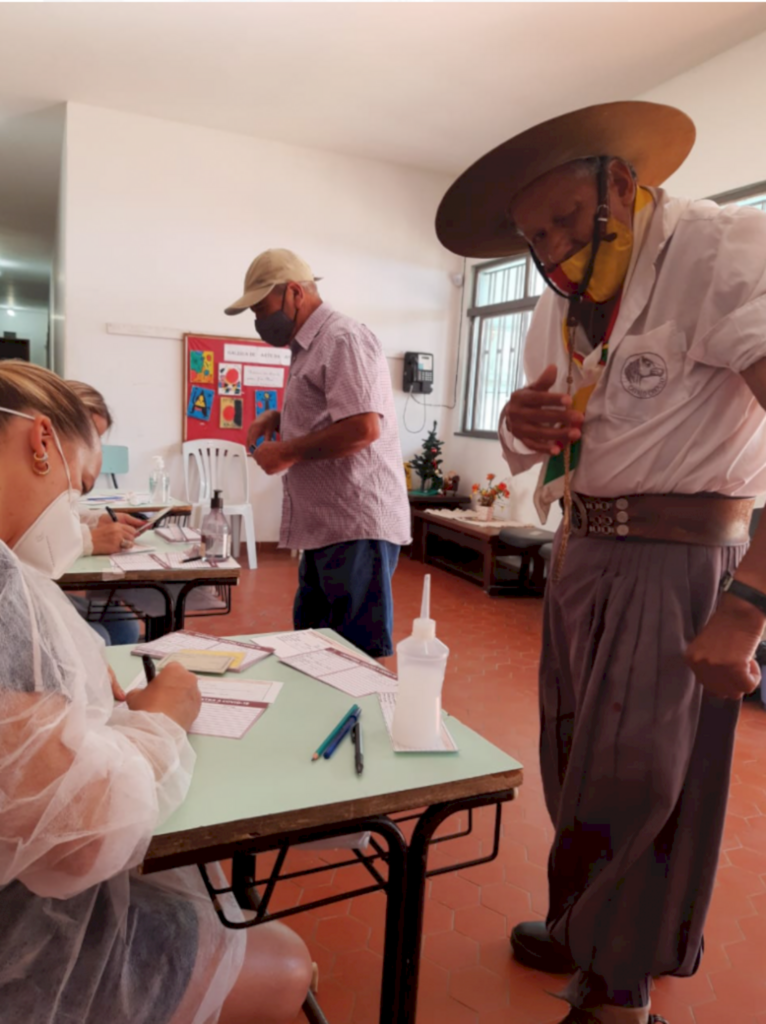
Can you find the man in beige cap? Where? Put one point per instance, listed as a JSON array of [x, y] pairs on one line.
[[344, 495], [647, 367]]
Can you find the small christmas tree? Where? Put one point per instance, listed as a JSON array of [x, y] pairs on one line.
[[427, 464]]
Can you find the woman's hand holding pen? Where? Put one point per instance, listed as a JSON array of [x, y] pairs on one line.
[[173, 692], [109, 538]]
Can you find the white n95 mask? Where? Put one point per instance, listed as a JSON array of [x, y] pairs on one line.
[[53, 542]]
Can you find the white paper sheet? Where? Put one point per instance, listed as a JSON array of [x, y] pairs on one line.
[[177, 534], [137, 563], [343, 671], [286, 645], [264, 376], [243, 353], [260, 690], [387, 705], [229, 707], [226, 719], [299, 641], [188, 640], [177, 560]]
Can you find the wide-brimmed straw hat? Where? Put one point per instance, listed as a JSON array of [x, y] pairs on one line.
[[473, 217]]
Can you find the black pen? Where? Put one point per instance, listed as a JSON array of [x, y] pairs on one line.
[[149, 669], [356, 733], [112, 516]]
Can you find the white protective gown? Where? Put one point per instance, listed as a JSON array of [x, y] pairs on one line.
[[83, 784]]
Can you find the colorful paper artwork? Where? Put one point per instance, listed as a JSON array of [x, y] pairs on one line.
[[231, 413], [265, 401], [200, 403], [229, 379], [201, 366]]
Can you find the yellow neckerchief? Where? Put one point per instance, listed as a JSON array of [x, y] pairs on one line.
[[550, 485]]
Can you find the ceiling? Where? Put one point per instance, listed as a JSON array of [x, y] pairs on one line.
[[431, 85]]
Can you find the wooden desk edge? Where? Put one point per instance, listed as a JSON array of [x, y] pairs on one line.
[[180, 848]]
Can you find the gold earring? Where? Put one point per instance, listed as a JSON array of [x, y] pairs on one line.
[[40, 464]]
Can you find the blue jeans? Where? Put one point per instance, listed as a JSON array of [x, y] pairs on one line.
[[347, 587], [113, 631]]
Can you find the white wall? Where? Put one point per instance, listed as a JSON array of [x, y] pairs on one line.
[[31, 324], [57, 308], [162, 220], [724, 98]]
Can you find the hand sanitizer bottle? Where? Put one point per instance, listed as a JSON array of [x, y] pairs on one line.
[[159, 481], [216, 535], [421, 662]]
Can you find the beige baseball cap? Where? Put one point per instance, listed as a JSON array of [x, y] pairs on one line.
[[273, 267]]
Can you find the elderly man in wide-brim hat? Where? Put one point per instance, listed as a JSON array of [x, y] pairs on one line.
[[646, 363]]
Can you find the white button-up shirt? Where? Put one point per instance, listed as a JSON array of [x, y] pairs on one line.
[[671, 412]]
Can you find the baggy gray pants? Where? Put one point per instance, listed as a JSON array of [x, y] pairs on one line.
[[635, 758]]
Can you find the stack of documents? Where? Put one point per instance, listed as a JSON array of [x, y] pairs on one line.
[[243, 655], [332, 663]]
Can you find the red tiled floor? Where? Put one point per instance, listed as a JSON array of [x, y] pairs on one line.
[[467, 974]]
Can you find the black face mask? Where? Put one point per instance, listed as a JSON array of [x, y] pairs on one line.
[[277, 328]]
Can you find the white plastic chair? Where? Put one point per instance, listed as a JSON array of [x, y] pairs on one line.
[[220, 466]]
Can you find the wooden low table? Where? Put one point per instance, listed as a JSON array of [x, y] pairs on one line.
[[472, 551], [421, 501]]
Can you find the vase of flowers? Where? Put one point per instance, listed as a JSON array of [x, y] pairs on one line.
[[487, 496]]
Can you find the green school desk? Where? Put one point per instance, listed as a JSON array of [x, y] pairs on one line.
[[95, 572], [119, 500], [263, 792]]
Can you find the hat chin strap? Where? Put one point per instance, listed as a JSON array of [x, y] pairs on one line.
[[600, 220]]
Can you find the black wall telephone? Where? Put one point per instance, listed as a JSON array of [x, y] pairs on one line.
[[418, 372]]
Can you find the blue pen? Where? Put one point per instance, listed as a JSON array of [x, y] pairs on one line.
[[348, 726]]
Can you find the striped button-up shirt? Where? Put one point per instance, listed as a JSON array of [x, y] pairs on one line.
[[338, 370]]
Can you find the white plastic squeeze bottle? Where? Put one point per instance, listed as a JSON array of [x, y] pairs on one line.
[[421, 663]]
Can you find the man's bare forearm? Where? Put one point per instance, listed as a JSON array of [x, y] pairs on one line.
[[346, 437]]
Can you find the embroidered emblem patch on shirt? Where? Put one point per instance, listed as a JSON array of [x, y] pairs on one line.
[[644, 375]]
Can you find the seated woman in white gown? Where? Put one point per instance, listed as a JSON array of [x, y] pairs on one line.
[[86, 777]]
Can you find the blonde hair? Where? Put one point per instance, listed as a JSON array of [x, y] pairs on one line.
[[93, 400], [25, 387]]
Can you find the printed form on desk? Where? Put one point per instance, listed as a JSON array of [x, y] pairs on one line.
[[301, 641], [137, 561], [229, 706], [341, 669], [187, 640]]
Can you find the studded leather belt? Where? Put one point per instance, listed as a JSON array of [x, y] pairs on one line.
[[710, 519]]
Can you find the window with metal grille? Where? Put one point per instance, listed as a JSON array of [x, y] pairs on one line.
[[751, 195], [504, 294]]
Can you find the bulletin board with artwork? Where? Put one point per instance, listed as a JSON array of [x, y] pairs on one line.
[[228, 382]]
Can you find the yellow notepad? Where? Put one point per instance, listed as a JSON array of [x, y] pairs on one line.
[[204, 662]]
